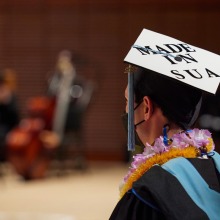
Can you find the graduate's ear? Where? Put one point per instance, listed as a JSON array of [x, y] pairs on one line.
[[148, 107]]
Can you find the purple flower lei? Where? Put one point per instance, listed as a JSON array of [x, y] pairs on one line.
[[196, 137]]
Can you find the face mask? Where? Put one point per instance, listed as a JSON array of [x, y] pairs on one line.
[[125, 124]]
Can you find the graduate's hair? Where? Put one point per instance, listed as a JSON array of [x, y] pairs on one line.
[[179, 102]]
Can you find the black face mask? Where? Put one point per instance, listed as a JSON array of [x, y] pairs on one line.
[[138, 142]]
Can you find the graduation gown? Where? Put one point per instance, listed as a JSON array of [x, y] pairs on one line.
[[172, 192]]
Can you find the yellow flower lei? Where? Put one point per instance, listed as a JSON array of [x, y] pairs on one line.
[[160, 159]]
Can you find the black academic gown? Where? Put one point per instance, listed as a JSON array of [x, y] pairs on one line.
[[158, 195]]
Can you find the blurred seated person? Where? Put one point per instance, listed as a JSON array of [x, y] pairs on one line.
[[9, 116]]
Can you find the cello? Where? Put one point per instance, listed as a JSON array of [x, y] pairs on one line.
[[25, 149]]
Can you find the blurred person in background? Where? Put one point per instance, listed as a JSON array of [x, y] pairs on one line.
[[73, 94], [9, 114]]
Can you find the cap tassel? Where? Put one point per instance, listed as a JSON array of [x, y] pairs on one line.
[[131, 133]]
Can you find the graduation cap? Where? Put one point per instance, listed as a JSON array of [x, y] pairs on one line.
[[172, 58]]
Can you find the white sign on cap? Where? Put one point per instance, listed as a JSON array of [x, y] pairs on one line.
[[176, 59]]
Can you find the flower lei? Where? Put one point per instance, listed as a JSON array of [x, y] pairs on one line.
[[189, 144]]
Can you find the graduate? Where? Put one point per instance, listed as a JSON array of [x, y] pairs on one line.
[[177, 176]]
